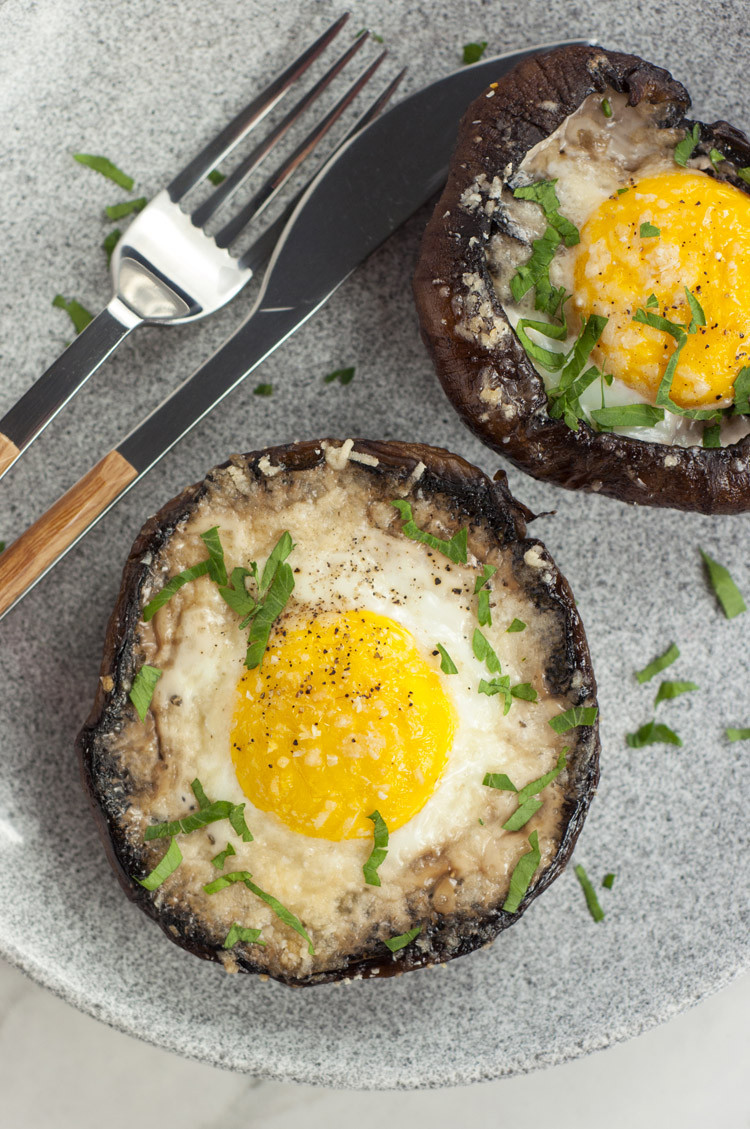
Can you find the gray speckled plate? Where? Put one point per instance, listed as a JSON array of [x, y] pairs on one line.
[[134, 82]]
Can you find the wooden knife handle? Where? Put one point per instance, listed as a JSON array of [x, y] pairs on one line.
[[34, 551], [8, 453]]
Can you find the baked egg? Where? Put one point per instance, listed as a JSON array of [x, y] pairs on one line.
[[344, 781]]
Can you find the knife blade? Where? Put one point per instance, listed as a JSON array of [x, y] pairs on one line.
[[359, 198]]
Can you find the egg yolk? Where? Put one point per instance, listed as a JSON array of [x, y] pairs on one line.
[[703, 243], [343, 717]]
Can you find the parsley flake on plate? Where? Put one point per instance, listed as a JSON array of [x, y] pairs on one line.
[[659, 664], [738, 734], [126, 208], [652, 733], [77, 313], [669, 690], [472, 52], [104, 166], [727, 592], [589, 893], [608, 881], [342, 375]]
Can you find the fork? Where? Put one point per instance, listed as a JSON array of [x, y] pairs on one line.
[[166, 269]]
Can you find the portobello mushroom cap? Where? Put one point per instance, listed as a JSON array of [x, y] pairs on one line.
[[133, 771], [479, 359]]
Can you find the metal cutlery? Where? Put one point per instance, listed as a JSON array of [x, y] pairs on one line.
[[167, 270], [366, 191]]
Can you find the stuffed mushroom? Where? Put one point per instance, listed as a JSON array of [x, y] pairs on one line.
[[584, 282], [346, 723]]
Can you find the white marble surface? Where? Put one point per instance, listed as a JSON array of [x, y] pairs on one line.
[[60, 1069]]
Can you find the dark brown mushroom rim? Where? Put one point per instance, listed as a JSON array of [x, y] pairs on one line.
[[489, 510], [496, 133]]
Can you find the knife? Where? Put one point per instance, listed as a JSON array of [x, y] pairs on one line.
[[367, 190]]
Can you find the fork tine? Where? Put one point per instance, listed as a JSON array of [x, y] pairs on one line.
[[227, 234], [247, 118], [260, 252], [227, 189]]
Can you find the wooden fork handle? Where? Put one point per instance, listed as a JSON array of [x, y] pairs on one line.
[[39, 547], [8, 453]]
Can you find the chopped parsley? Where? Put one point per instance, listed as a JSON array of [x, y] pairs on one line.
[[219, 860], [669, 690], [104, 166], [404, 939], [522, 815], [742, 392], [263, 390], [111, 242], [628, 415], [275, 588], [648, 231], [577, 715], [240, 933], [564, 397], [142, 690], [525, 691], [167, 866], [516, 625], [379, 850], [216, 177], [2, 546], [208, 812], [455, 549], [738, 734], [606, 107], [239, 826], [680, 334], [652, 302], [685, 148], [608, 881], [716, 157], [342, 375], [484, 652], [500, 781], [543, 193], [744, 174], [727, 592], [117, 211], [77, 313], [534, 787], [481, 591], [671, 655], [523, 872], [447, 664], [281, 911], [589, 893], [473, 52], [499, 685], [171, 587], [712, 435], [652, 734], [213, 566]]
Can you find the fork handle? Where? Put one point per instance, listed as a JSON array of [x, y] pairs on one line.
[[40, 404]]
